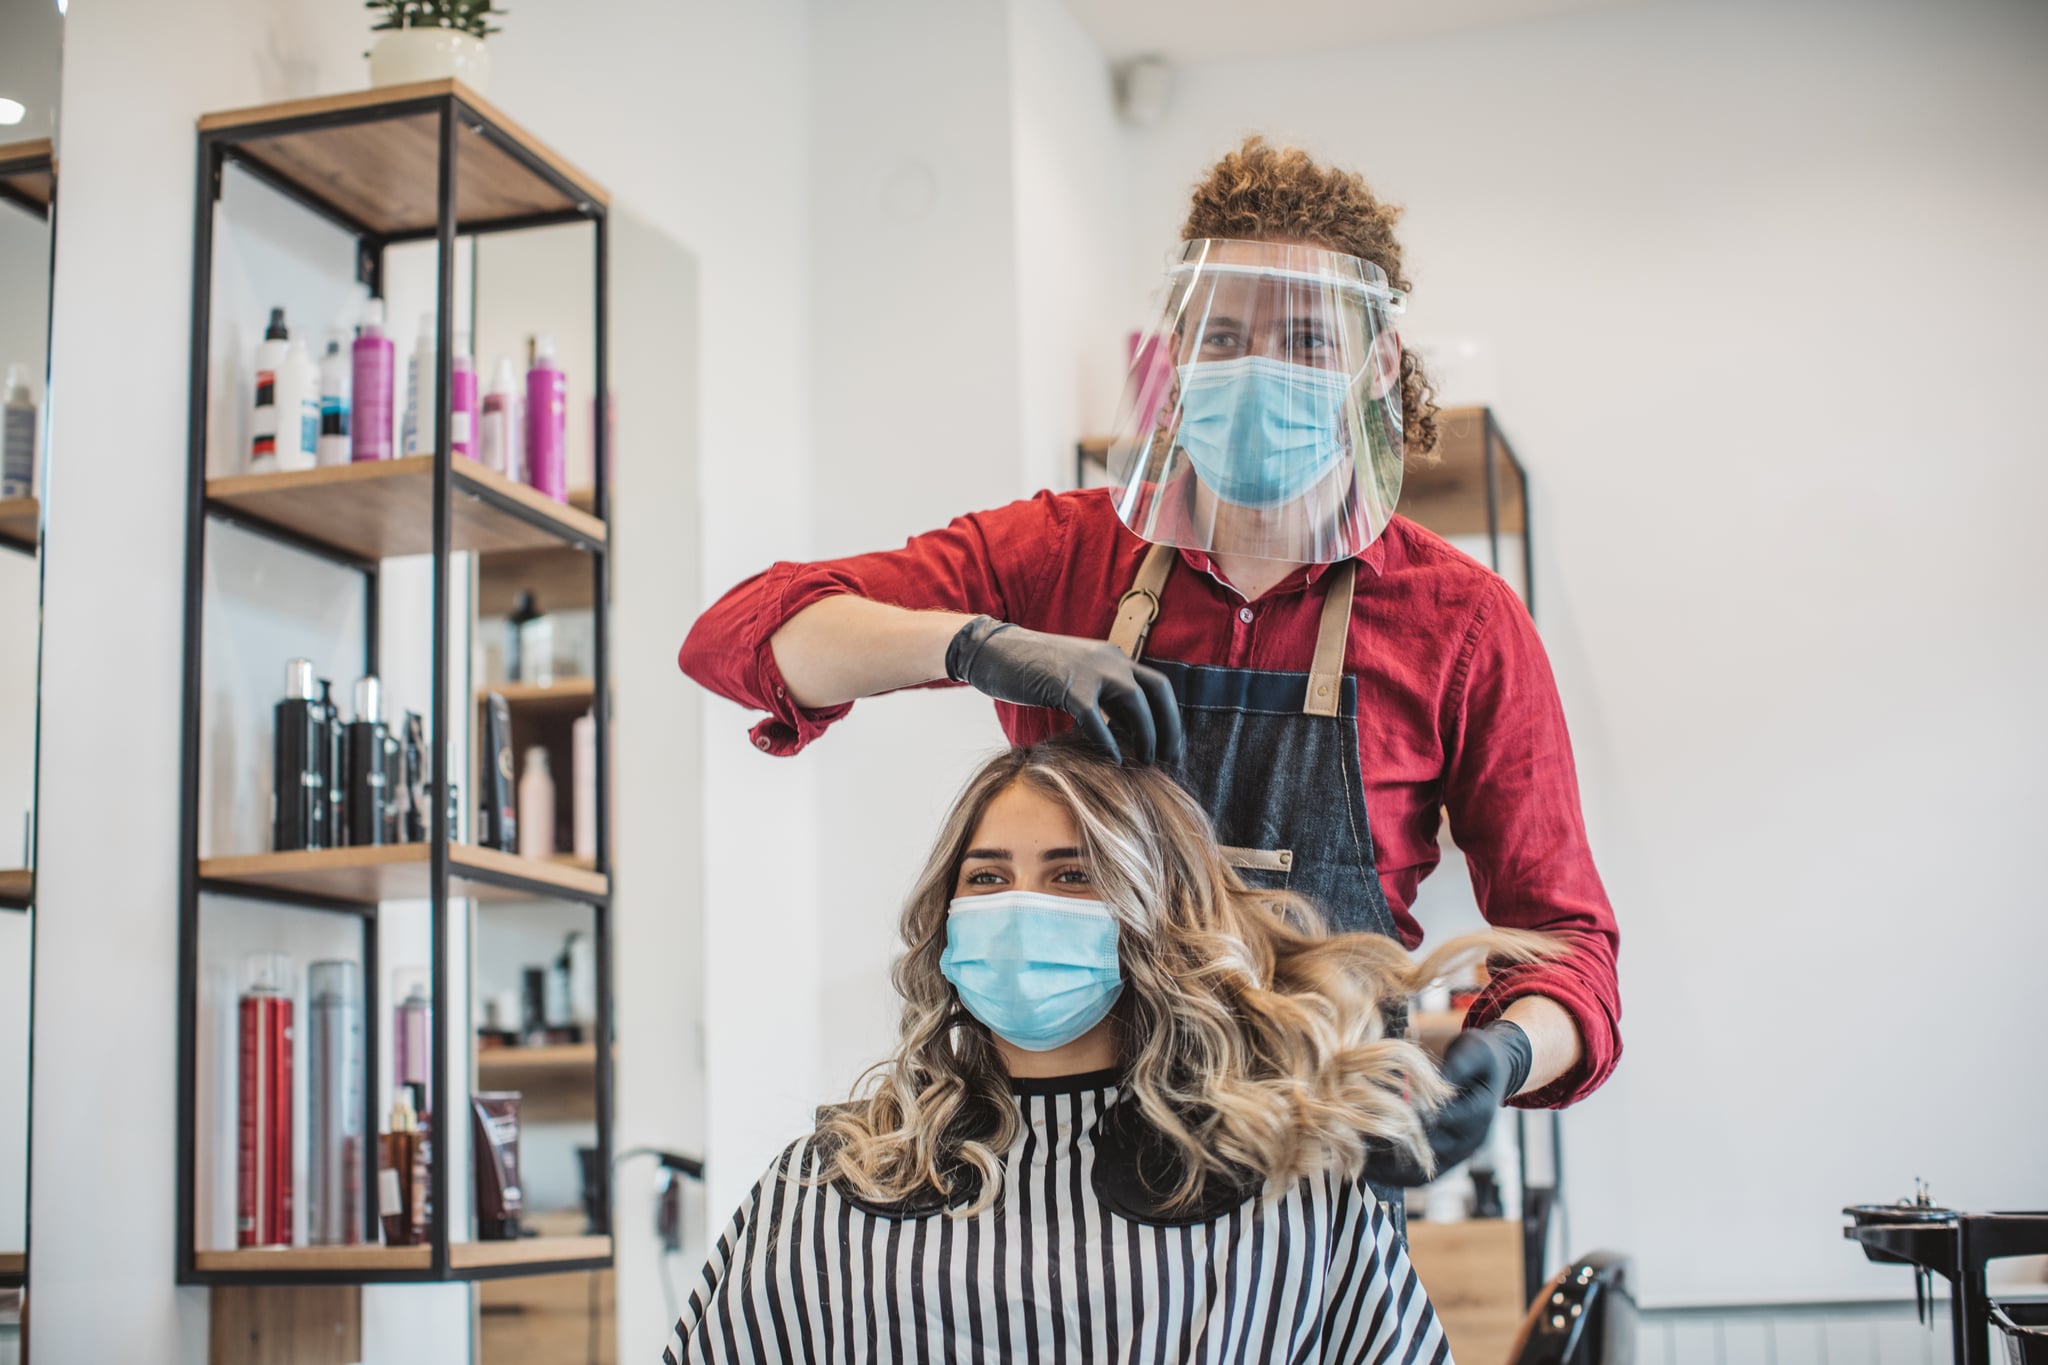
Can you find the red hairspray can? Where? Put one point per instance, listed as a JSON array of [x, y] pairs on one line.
[[263, 1165]]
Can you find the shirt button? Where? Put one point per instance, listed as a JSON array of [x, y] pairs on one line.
[[1244, 614]]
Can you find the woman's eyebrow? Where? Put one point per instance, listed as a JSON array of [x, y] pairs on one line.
[[1054, 855], [1001, 855]]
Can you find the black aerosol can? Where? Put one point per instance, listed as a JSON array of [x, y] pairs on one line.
[[367, 765], [299, 791]]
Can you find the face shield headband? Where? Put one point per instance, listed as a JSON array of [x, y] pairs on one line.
[[1262, 415]]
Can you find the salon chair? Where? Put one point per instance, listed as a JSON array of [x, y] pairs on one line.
[[1585, 1315]]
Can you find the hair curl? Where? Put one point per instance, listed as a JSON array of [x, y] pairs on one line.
[[1250, 1038], [1265, 193]]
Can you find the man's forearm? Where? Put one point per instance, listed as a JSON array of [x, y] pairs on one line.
[[846, 647], [1553, 1039]]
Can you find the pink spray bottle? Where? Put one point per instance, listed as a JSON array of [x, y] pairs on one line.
[[547, 422], [373, 360]]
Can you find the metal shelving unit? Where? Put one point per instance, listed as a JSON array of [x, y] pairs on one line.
[[402, 164]]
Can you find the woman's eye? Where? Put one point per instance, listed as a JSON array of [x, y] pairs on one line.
[[1073, 876], [1221, 341], [1309, 341], [983, 878]]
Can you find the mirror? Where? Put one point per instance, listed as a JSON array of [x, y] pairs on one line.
[[31, 33]]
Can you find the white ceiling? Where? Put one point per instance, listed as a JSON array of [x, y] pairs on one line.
[[1202, 30]]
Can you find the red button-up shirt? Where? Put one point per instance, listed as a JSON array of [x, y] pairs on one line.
[[1457, 709]]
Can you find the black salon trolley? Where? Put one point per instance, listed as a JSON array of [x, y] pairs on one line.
[[1957, 1247]]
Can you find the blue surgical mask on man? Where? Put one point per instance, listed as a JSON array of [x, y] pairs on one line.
[[1039, 970], [1261, 432]]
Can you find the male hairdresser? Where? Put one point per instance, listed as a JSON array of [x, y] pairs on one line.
[[1243, 605]]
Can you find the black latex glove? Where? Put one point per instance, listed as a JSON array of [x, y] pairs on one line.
[[1091, 680], [1487, 1065]]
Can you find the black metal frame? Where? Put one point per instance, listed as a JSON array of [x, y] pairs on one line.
[[217, 147], [1494, 440]]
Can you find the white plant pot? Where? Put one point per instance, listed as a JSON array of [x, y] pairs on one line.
[[403, 56]]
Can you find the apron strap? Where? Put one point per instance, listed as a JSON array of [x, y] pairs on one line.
[[1326, 674], [1139, 608]]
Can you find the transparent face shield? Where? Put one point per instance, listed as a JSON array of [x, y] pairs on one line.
[[1262, 415]]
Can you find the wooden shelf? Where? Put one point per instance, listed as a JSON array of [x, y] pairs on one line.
[[18, 523], [1447, 494], [564, 696], [398, 872], [384, 508], [373, 157], [506, 1067], [289, 1260], [528, 1251], [28, 174], [17, 887], [558, 578], [555, 1084]]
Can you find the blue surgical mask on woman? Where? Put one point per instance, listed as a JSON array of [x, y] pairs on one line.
[[1039, 970], [1260, 431]]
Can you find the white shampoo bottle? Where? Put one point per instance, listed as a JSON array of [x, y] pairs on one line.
[[536, 806]]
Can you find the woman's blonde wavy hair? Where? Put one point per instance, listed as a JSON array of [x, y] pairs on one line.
[[1249, 1037]]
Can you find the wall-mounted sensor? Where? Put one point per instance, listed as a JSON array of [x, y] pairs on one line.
[[1142, 85]]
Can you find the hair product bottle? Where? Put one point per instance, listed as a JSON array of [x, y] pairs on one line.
[[412, 1033], [299, 779], [336, 768], [537, 806], [263, 1152], [420, 371], [334, 391], [498, 818], [334, 1104], [369, 433], [367, 764], [529, 643], [499, 431], [462, 400], [547, 422], [394, 786], [418, 815], [18, 440], [298, 409], [271, 356], [403, 1177]]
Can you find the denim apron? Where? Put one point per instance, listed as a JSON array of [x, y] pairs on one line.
[[1273, 758]]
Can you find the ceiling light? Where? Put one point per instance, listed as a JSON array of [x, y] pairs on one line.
[[11, 111]]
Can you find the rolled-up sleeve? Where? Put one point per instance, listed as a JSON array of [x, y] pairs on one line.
[[1512, 792], [979, 564]]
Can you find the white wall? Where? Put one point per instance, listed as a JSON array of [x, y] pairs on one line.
[[698, 112], [1788, 563], [957, 153], [136, 77]]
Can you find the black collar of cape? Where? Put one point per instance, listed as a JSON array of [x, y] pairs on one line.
[[1136, 1168]]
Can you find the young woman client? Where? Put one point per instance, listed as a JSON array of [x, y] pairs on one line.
[[1127, 1119]]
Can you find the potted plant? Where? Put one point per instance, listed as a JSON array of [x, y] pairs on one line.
[[431, 40]]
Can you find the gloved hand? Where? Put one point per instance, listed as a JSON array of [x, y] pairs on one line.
[[1091, 680], [1487, 1065]]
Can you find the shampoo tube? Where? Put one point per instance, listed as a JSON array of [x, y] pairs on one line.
[[496, 1162], [547, 423], [18, 442]]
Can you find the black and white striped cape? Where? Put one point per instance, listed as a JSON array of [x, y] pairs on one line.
[[1048, 1273]]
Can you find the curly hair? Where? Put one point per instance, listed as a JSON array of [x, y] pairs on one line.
[[1264, 193], [1250, 1039]]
